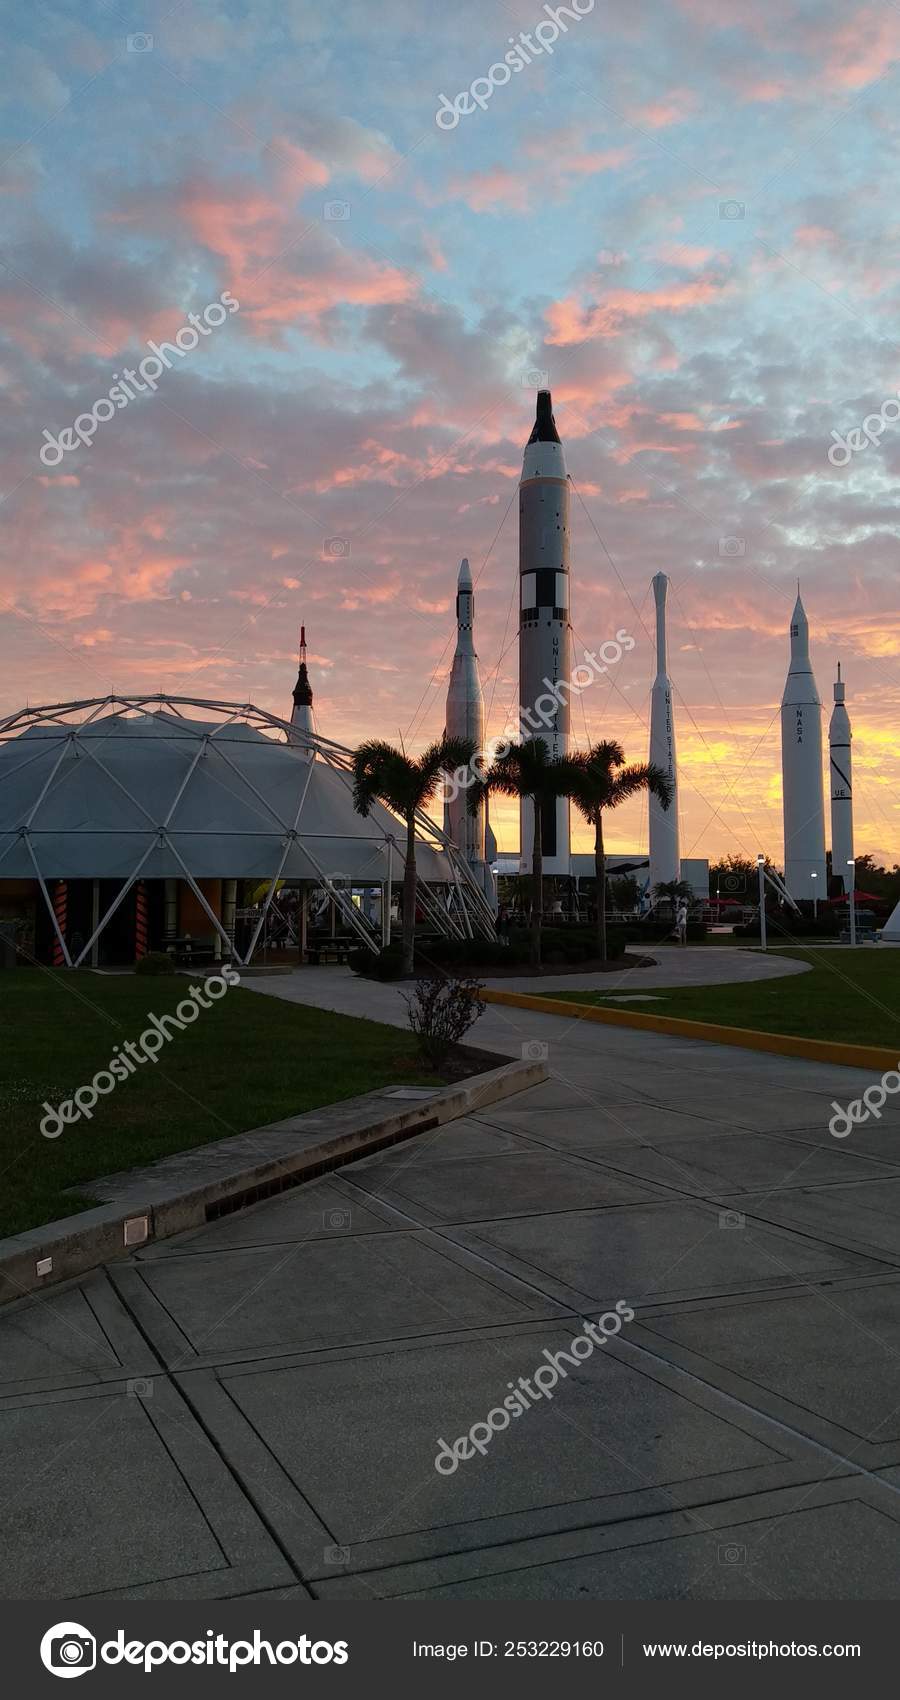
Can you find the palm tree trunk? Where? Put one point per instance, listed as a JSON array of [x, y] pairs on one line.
[[537, 885], [600, 875], [409, 897]]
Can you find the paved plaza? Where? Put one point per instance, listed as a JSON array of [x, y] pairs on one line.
[[255, 1407]]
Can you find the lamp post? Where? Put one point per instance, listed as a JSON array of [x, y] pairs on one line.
[[761, 870], [813, 876], [852, 866]]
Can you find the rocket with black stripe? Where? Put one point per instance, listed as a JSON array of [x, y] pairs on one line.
[[544, 631], [840, 764]]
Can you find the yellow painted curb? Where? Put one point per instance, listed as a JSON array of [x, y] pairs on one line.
[[748, 1038]]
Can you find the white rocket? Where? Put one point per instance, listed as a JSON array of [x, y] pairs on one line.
[[665, 860], [465, 719], [544, 632], [302, 716], [801, 768], [839, 739]]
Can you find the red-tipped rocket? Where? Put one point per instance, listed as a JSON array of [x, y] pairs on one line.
[[801, 769], [840, 764], [665, 859], [302, 717], [544, 631]]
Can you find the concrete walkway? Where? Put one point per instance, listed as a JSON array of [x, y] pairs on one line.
[[256, 1407], [349, 994]]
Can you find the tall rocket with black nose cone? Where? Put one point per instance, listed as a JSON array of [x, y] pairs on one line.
[[665, 861], [544, 632], [840, 763], [801, 769]]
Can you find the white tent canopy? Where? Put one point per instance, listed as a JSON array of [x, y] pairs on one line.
[[175, 787]]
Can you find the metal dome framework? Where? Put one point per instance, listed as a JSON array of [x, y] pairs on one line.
[[279, 797]]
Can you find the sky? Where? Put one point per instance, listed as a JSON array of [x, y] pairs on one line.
[[682, 217]]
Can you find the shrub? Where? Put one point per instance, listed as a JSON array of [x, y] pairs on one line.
[[561, 945], [440, 1013], [155, 962], [656, 932]]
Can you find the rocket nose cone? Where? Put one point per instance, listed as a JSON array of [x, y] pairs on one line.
[[544, 430], [464, 582]]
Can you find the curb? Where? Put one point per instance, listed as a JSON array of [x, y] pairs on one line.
[[746, 1038], [174, 1194]]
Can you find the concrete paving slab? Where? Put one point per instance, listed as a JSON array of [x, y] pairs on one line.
[[657, 1250], [115, 1492], [720, 1166], [848, 1551], [609, 1124], [73, 1336], [826, 1360], [616, 1440], [528, 1182], [214, 1307], [857, 1215]]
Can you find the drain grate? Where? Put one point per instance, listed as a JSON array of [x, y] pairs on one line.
[[285, 1183]]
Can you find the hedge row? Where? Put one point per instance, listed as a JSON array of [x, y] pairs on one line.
[[559, 946]]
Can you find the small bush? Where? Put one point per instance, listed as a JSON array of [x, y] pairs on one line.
[[155, 962], [440, 1012]]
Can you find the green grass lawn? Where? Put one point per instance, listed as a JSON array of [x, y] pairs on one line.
[[247, 1061], [848, 995]]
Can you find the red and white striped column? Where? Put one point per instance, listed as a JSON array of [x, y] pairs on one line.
[[61, 911], [140, 920]]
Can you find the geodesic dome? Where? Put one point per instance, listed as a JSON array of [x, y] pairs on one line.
[[174, 787]]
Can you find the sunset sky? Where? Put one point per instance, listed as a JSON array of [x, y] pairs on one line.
[[686, 216]]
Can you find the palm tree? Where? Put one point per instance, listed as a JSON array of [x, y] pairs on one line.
[[601, 781], [529, 772], [406, 784], [672, 891]]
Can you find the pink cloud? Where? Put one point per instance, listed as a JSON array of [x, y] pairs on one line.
[[672, 109], [483, 191], [569, 321]]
